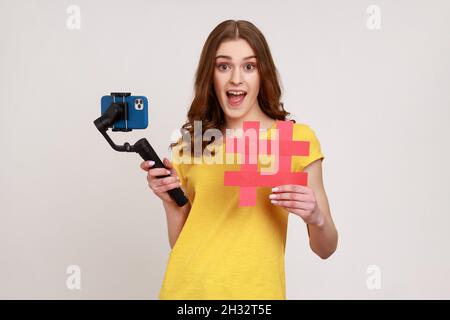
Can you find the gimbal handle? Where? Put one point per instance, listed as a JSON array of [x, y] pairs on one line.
[[146, 151], [117, 111]]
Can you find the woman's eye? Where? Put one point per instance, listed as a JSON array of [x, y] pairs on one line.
[[249, 67], [222, 67]]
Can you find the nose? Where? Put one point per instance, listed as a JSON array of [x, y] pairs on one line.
[[236, 77]]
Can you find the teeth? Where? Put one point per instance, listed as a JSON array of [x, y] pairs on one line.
[[236, 93]]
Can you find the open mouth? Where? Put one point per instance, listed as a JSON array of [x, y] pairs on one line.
[[236, 97]]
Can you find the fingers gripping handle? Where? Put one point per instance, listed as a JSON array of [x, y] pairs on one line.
[[146, 151]]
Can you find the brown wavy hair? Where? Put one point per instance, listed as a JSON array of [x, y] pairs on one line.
[[205, 106]]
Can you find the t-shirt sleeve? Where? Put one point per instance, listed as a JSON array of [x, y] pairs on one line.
[[303, 132]]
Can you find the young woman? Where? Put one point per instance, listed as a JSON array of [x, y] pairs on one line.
[[221, 250]]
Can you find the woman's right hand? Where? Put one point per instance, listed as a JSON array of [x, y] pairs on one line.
[[160, 186]]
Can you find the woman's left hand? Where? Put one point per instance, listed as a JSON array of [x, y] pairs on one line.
[[299, 200]]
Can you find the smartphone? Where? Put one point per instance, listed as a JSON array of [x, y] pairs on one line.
[[137, 109]]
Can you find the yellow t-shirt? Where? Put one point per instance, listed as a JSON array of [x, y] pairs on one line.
[[227, 251]]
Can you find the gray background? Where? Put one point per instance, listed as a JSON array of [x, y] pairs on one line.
[[378, 101]]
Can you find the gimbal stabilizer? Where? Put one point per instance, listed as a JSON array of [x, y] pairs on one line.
[[118, 111]]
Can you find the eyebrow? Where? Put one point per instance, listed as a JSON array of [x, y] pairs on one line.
[[228, 57]]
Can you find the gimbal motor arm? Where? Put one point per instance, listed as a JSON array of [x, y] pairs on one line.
[[118, 111]]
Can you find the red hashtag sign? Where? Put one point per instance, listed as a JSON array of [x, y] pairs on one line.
[[248, 178]]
